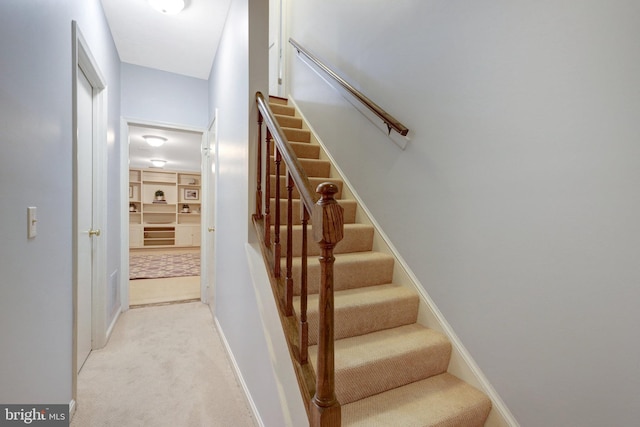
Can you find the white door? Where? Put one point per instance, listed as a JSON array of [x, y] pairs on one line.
[[275, 48], [85, 216], [209, 223]]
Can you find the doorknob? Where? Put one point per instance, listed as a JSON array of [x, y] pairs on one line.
[[211, 229], [93, 232]]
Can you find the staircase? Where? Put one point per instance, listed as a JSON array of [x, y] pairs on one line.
[[389, 370]]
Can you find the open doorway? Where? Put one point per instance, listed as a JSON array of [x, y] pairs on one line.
[[165, 206]]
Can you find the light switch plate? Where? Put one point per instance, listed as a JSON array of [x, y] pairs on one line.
[[32, 222]]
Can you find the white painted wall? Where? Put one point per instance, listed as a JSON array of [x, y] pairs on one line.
[[160, 96], [232, 90], [36, 170], [516, 202]]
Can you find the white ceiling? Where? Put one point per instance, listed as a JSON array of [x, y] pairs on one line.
[[181, 151], [183, 44]]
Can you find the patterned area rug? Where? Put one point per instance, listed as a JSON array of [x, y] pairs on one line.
[[163, 265]]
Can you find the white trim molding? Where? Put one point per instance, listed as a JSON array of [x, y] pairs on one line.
[[238, 374], [125, 122], [84, 60]]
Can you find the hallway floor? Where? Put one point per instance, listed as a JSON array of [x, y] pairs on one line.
[[163, 366], [170, 289], [158, 291]]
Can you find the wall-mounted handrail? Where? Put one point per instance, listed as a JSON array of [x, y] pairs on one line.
[[388, 119]]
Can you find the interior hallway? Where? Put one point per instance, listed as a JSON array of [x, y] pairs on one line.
[[163, 366]]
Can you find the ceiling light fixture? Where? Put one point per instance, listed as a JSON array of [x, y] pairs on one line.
[[168, 7], [154, 141], [157, 163]]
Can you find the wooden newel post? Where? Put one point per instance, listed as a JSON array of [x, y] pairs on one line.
[[328, 230]]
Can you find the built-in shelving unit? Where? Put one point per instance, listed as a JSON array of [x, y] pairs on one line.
[[164, 208]]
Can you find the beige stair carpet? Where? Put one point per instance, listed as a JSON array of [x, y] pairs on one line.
[[390, 371]]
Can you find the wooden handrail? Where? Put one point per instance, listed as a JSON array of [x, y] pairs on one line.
[[388, 119], [300, 178]]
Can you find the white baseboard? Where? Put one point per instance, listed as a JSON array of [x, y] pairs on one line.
[[113, 324], [238, 374], [72, 409]]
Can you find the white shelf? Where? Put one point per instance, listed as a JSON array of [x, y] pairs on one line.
[[163, 224]]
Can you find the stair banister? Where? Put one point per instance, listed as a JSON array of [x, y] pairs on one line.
[[259, 175], [300, 179], [328, 229], [388, 119]]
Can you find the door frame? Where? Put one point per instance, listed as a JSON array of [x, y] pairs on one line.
[[209, 186], [281, 41], [84, 60], [124, 203]]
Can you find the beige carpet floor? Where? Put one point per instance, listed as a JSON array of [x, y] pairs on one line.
[[158, 291], [163, 366]]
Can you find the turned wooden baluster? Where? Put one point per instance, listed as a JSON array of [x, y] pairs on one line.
[[259, 176], [304, 326], [277, 247], [267, 192], [288, 289], [328, 230]]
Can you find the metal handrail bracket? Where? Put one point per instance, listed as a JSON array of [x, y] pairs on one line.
[[390, 122]]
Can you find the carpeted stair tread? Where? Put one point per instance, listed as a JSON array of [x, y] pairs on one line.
[[289, 121], [376, 362], [303, 150], [315, 181], [357, 238], [364, 310], [349, 207], [350, 271], [312, 167], [439, 401], [297, 135], [284, 110]]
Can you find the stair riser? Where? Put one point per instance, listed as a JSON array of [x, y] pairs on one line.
[[283, 110], [358, 239], [349, 207], [295, 194], [277, 100], [364, 319], [346, 275], [312, 167], [302, 149], [297, 135], [289, 122]]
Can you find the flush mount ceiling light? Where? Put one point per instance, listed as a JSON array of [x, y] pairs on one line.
[[154, 141], [157, 163], [168, 7]]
